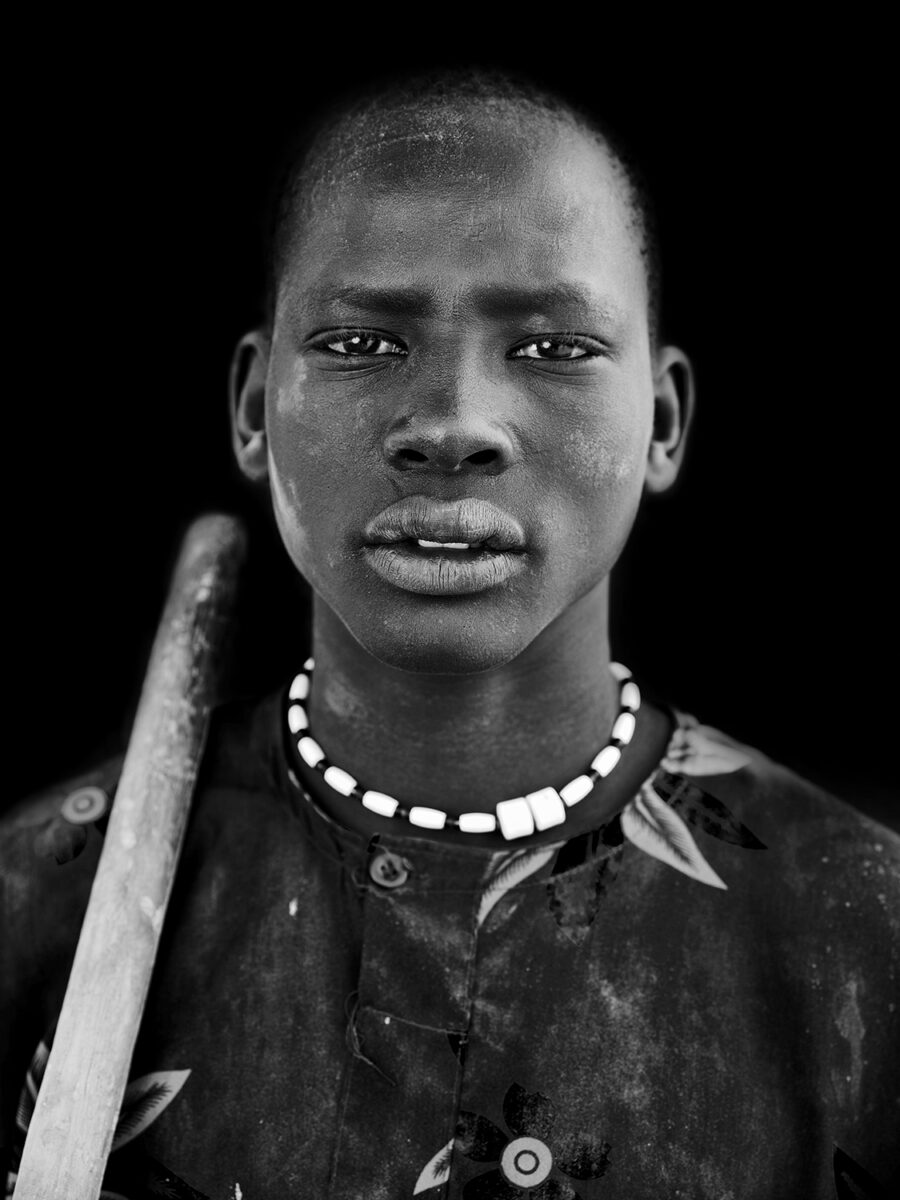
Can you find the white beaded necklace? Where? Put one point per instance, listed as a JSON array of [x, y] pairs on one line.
[[516, 818]]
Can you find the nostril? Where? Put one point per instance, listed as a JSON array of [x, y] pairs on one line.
[[411, 456], [482, 458]]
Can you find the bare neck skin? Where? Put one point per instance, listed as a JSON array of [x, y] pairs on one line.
[[467, 741]]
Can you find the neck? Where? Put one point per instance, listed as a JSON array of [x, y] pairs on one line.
[[467, 741]]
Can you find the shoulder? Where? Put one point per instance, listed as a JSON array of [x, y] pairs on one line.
[[54, 828], [821, 854], [50, 843]]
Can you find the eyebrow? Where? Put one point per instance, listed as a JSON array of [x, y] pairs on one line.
[[493, 300]]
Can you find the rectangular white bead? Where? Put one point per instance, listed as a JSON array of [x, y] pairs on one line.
[[297, 718], [515, 817], [630, 696], [619, 671], [427, 818], [380, 803], [299, 688], [546, 807], [623, 730], [576, 790], [477, 822], [606, 760], [310, 751], [340, 780]]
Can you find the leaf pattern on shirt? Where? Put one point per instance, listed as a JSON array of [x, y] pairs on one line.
[[651, 825], [33, 1077], [701, 750], [144, 1100], [521, 864], [435, 1172], [130, 1173], [711, 815]]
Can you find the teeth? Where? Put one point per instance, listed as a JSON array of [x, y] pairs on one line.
[[443, 545]]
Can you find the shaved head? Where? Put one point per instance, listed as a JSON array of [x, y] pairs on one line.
[[450, 120]]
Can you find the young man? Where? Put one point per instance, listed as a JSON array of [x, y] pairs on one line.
[[458, 914]]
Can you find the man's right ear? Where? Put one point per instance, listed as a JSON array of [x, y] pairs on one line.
[[247, 402]]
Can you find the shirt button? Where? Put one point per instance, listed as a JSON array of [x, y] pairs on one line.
[[388, 870]]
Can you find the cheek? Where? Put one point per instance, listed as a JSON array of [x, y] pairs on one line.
[[605, 458], [601, 464], [290, 515]]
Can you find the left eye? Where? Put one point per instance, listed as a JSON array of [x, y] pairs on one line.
[[555, 348], [363, 344]]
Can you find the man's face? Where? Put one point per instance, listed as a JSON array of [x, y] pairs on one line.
[[464, 319]]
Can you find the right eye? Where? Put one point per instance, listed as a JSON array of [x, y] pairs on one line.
[[361, 344]]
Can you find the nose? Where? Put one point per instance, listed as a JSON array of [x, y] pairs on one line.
[[451, 435]]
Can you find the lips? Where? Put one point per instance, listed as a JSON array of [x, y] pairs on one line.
[[469, 546], [470, 521]]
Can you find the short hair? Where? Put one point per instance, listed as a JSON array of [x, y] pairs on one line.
[[310, 161]]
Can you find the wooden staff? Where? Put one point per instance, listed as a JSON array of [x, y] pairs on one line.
[[72, 1128]]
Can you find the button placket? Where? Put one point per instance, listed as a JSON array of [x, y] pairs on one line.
[[414, 1000]]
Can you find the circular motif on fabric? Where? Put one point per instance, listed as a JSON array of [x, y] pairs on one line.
[[84, 805], [526, 1161]]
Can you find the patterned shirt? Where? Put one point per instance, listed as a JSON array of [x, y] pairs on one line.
[[697, 999]]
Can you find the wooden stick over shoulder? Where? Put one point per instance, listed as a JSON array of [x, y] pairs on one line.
[[72, 1128]]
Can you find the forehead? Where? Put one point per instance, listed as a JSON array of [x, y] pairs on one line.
[[448, 201]]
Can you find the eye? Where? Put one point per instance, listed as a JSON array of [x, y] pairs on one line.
[[558, 348], [361, 344]]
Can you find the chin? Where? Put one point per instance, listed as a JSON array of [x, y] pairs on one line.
[[444, 639]]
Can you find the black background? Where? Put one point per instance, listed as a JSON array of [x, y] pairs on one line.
[[759, 596]]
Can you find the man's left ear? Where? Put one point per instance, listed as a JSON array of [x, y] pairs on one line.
[[673, 406]]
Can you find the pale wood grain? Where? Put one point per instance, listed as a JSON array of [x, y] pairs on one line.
[[72, 1128]]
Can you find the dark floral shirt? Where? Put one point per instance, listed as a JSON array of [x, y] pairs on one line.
[[697, 1000]]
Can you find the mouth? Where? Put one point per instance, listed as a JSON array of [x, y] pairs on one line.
[[445, 547]]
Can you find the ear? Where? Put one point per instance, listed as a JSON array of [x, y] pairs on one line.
[[247, 401], [673, 406]]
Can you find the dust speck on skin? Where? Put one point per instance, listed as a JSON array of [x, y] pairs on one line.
[[289, 390], [287, 511], [850, 1026], [341, 700], [238, 1192], [293, 905]]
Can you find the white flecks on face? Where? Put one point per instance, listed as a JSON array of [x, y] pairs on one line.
[[287, 507], [293, 906], [288, 380], [554, 222]]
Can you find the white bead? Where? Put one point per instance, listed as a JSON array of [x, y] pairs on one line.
[[310, 751], [309, 664], [380, 803], [623, 730], [515, 817], [476, 822], [427, 818], [630, 696], [619, 671], [606, 760], [576, 790], [299, 688], [546, 807], [297, 719], [339, 780]]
